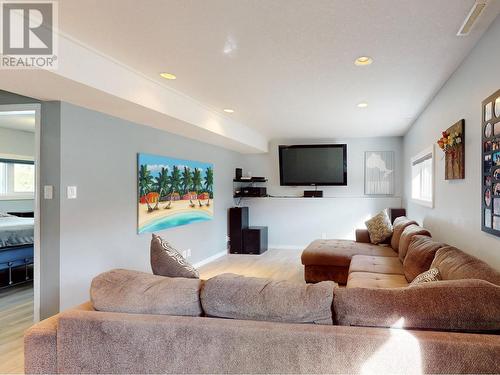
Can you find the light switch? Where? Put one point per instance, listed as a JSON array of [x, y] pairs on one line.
[[48, 192], [71, 192]]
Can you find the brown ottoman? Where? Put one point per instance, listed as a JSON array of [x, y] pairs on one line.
[[325, 260]]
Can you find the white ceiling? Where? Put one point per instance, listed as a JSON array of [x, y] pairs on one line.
[[286, 66], [18, 120]]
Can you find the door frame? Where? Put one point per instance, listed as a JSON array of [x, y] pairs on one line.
[[37, 107]]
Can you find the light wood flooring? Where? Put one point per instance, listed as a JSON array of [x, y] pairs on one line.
[[16, 304], [16, 315]]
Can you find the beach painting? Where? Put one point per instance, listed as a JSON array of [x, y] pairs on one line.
[[173, 192]]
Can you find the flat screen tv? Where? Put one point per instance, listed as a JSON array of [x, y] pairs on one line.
[[313, 165]]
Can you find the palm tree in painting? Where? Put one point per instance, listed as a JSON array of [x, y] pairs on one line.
[[175, 182], [145, 184], [187, 181], [197, 185], [161, 185], [209, 183]]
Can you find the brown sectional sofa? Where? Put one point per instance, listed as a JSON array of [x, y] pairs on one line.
[[142, 323], [234, 324], [360, 263]]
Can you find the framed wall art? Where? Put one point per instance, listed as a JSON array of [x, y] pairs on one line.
[[379, 172], [452, 143], [490, 159], [173, 192]]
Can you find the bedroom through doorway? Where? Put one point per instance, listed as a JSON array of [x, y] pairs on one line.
[[19, 229]]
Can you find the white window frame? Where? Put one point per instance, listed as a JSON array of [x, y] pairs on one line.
[[17, 196], [421, 155]]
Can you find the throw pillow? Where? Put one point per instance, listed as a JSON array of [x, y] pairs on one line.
[[427, 277], [379, 227], [167, 261]]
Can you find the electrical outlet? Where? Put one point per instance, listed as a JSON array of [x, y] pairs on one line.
[[188, 252], [227, 238], [323, 236], [184, 254]]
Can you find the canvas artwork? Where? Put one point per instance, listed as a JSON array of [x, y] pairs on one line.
[[379, 172], [173, 192]]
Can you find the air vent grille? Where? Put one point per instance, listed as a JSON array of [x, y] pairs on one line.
[[472, 17]]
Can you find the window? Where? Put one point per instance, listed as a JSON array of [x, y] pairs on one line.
[[17, 179], [422, 178]]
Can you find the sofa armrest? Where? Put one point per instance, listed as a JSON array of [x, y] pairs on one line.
[[40, 344], [362, 236]]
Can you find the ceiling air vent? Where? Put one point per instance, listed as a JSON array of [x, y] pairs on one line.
[[472, 17]]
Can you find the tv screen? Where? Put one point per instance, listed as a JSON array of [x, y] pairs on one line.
[[313, 165]]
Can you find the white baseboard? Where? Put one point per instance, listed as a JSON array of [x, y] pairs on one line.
[[209, 259], [287, 247]]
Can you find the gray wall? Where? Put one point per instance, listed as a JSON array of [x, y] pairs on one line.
[[98, 231], [50, 174], [456, 218], [17, 142], [292, 222]]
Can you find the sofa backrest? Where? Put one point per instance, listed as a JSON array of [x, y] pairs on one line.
[[454, 264], [406, 237], [420, 255], [251, 298], [466, 305], [399, 225], [137, 292]]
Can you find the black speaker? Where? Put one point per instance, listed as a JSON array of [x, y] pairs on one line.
[[238, 173], [255, 240], [238, 220]]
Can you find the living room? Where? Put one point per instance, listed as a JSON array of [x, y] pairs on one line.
[[169, 117]]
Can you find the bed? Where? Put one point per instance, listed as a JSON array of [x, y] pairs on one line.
[[16, 248]]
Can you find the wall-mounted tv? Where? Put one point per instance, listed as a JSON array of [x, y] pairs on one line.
[[313, 165]]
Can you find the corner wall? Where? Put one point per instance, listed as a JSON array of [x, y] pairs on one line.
[[98, 230], [456, 218]]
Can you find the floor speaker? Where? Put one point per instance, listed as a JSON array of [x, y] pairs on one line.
[[238, 220]]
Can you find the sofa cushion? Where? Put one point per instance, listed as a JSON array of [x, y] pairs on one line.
[[399, 225], [251, 298], [420, 255], [454, 264], [406, 237], [167, 261], [379, 227], [375, 280], [428, 276], [367, 263], [340, 252], [471, 305], [137, 292]]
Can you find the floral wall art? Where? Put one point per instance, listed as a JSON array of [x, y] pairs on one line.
[[452, 144]]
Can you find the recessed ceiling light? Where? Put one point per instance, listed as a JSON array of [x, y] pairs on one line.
[[229, 110], [168, 75], [363, 60], [362, 105]]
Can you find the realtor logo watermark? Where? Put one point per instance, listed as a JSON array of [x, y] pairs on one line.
[[28, 39]]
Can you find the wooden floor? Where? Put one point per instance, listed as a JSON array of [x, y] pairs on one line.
[[273, 264], [16, 315], [16, 305]]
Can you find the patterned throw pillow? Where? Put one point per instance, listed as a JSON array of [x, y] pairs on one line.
[[379, 227], [427, 277], [167, 261]]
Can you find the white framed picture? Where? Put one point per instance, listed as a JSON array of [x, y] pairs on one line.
[[379, 172]]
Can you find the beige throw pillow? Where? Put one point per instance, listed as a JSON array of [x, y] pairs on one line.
[[167, 261], [379, 227], [427, 277]]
